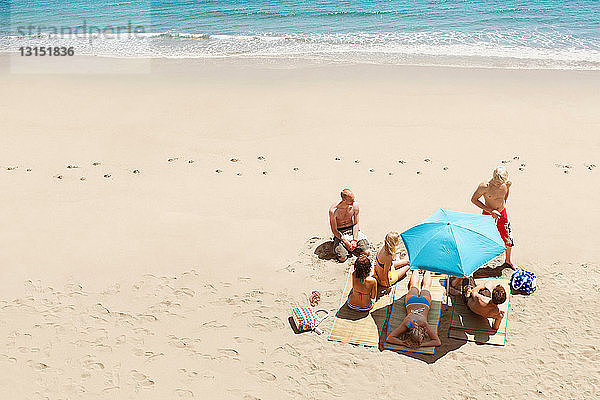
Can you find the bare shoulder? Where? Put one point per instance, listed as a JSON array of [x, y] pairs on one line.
[[356, 207], [333, 208], [483, 186], [371, 280]]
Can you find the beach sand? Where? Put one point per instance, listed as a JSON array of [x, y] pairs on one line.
[[158, 227]]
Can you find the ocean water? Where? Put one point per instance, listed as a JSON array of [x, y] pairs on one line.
[[556, 34]]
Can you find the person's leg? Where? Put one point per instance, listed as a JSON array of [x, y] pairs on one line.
[[362, 246], [401, 272], [507, 259], [413, 286], [340, 251], [426, 286]]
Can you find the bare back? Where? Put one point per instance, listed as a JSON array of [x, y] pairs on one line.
[[486, 309]]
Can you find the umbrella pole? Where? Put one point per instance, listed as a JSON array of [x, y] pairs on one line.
[[447, 289]]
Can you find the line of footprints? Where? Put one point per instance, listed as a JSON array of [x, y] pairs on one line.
[[566, 168]]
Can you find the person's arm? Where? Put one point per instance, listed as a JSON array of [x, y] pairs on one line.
[[477, 194], [333, 224], [498, 320], [400, 263], [394, 338], [507, 190], [434, 339], [481, 299], [355, 228], [374, 289]]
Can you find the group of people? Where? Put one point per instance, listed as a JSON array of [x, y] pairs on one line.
[[369, 281]]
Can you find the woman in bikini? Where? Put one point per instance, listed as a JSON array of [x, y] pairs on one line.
[[387, 270], [364, 287], [414, 328]]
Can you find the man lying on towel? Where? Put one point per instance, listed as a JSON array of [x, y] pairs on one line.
[[483, 301]]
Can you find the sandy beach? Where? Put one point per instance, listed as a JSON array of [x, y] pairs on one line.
[[159, 227]]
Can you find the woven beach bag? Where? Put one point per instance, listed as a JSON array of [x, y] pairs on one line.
[[307, 319]]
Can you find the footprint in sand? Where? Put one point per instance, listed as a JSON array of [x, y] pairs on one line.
[[445, 168], [173, 159], [265, 375], [262, 158], [337, 159], [190, 161], [141, 379], [235, 160], [96, 163], [107, 175], [136, 171], [390, 173], [28, 170], [37, 366], [71, 166], [356, 161], [239, 174], [427, 160], [264, 172], [11, 168], [590, 166], [418, 172], [83, 178], [58, 176], [184, 394], [218, 171], [401, 162], [295, 169], [372, 170]]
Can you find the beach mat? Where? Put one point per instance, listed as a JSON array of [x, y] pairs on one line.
[[398, 313], [359, 327], [466, 325]]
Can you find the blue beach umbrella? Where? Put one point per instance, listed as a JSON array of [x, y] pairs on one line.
[[453, 243]]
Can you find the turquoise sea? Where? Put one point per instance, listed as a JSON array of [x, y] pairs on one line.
[[562, 34]]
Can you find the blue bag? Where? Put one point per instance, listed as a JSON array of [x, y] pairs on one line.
[[523, 281]]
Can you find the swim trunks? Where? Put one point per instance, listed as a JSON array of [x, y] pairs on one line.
[[503, 225]]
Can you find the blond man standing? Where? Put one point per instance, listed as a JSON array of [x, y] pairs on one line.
[[495, 194]]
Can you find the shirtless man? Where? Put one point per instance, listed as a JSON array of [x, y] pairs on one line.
[[495, 194], [343, 219], [485, 306]]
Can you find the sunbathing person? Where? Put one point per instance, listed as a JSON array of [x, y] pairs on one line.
[[388, 271], [483, 300], [413, 330], [343, 219], [364, 286]]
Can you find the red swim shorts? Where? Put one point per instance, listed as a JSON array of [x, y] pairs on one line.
[[503, 225]]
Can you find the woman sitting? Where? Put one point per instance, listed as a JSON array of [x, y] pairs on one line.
[[388, 271], [364, 287], [413, 329]]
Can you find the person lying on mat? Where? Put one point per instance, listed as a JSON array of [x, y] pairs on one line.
[[484, 300], [387, 270], [414, 328], [364, 286], [347, 237]]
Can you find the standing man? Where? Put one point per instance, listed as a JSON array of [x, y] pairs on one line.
[[495, 193], [343, 219]]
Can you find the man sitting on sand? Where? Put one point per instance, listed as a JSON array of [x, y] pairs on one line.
[[495, 194], [343, 218], [477, 298]]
